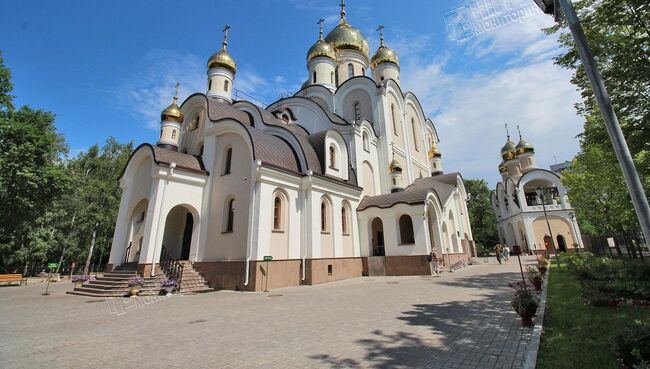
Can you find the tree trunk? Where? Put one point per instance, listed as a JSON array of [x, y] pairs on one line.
[[90, 251], [67, 241]]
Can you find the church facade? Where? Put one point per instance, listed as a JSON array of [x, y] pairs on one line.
[[531, 204], [342, 179]]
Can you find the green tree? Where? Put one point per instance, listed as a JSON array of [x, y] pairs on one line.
[[618, 32], [481, 215], [6, 99]]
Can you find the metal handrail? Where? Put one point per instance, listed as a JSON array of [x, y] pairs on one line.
[[128, 253], [171, 266]]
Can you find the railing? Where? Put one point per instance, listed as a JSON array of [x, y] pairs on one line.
[[128, 253], [172, 268]]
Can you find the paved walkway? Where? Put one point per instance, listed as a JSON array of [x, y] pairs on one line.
[[460, 320]]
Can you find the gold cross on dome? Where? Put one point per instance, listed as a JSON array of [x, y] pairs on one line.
[[177, 86], [507, 132], [225, 35], [381, 34], [320, 24]]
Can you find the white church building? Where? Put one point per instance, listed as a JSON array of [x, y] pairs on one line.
[[342, 179], [536, 223]]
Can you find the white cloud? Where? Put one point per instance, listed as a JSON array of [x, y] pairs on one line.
[[470, 111]]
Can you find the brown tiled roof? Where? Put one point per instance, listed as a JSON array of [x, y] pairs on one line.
[[218, 110], [166, 157], [415, 193], [273, 150]]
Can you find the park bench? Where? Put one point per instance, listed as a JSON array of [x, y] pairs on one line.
[[10, 278]]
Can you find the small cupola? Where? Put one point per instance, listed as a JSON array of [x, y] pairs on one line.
[[171, 120], [221, 71], [385, 63]]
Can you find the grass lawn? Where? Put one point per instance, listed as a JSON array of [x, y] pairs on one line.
[[577, 335]]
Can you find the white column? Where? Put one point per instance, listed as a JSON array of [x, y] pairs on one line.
[[121, 229]]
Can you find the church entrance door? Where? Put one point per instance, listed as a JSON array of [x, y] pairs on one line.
[[561, 244], [187, 237]]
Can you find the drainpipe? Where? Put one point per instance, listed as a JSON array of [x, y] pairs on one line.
[[172, 166], [305, 228], [251, 223]]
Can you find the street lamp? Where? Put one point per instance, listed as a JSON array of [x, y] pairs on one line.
[[639, 200], [575, 232], [540, 194]]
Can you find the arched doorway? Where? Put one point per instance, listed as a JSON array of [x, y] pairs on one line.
[[136, 231], [179, 229], [377, 227], [548, 245], [561, 243]]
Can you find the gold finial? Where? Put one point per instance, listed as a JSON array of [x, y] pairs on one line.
[[225, 36], [519, 130], [342, 10], [178, 85], [320, 25], [381, 35], [507, 132]]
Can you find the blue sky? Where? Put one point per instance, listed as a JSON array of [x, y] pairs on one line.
[[108, 68]]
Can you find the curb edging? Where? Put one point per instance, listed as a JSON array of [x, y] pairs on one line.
[[533, 346]]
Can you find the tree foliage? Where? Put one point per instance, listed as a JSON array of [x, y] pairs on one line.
[[618, 32], [51, 205], [481, 216]]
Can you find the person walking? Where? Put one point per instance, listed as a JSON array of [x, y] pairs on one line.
[[506, 254], [435, 266], [499, 251]]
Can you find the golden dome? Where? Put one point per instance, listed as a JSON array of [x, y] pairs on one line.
[[344, 36], [509, 150], [503, 167], [394, 167], [172, 112], [384, 55], [321, 48], [222, 59], [434, 151], [524, 146]]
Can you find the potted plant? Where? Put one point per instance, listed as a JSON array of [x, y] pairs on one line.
[[135, 285], [542, 266], [525, 304], [535, 278], [168, 286], [79, 280]]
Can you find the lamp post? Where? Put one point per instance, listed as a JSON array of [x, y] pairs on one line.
[[575, 231], [639, 200], [540, 194]]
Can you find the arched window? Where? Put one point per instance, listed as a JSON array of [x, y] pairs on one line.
[[277, 213], [227, 159], [314, 77], [382, 78], [209, 85], [324, 216], [350, 70], [406, 230], [230, 216], [366, 141], [363, 71], [332, 77], [332, 157], [226, 84], [415, 137], [357, 111], [394, 119], [345, 222]]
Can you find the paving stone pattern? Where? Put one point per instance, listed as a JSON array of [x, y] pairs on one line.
[[461, 320]]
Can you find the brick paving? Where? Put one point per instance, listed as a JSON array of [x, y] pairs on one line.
[[461, 320]]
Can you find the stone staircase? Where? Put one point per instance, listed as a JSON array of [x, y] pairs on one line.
[[116, 283], [192, 281]]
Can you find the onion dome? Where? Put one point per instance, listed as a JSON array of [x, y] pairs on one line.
[[394, 167], [344, 36], [503, 167], [172, 112], [223, 59], [321, 48], [434, 151], [509, 150], [384, 54], [524, 146]]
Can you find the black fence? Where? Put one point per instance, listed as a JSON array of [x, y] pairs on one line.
[[623, 245]]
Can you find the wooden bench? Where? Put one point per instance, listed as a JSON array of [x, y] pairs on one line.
[[10, 278]]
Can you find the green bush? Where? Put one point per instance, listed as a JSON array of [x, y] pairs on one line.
[[632, 347]]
